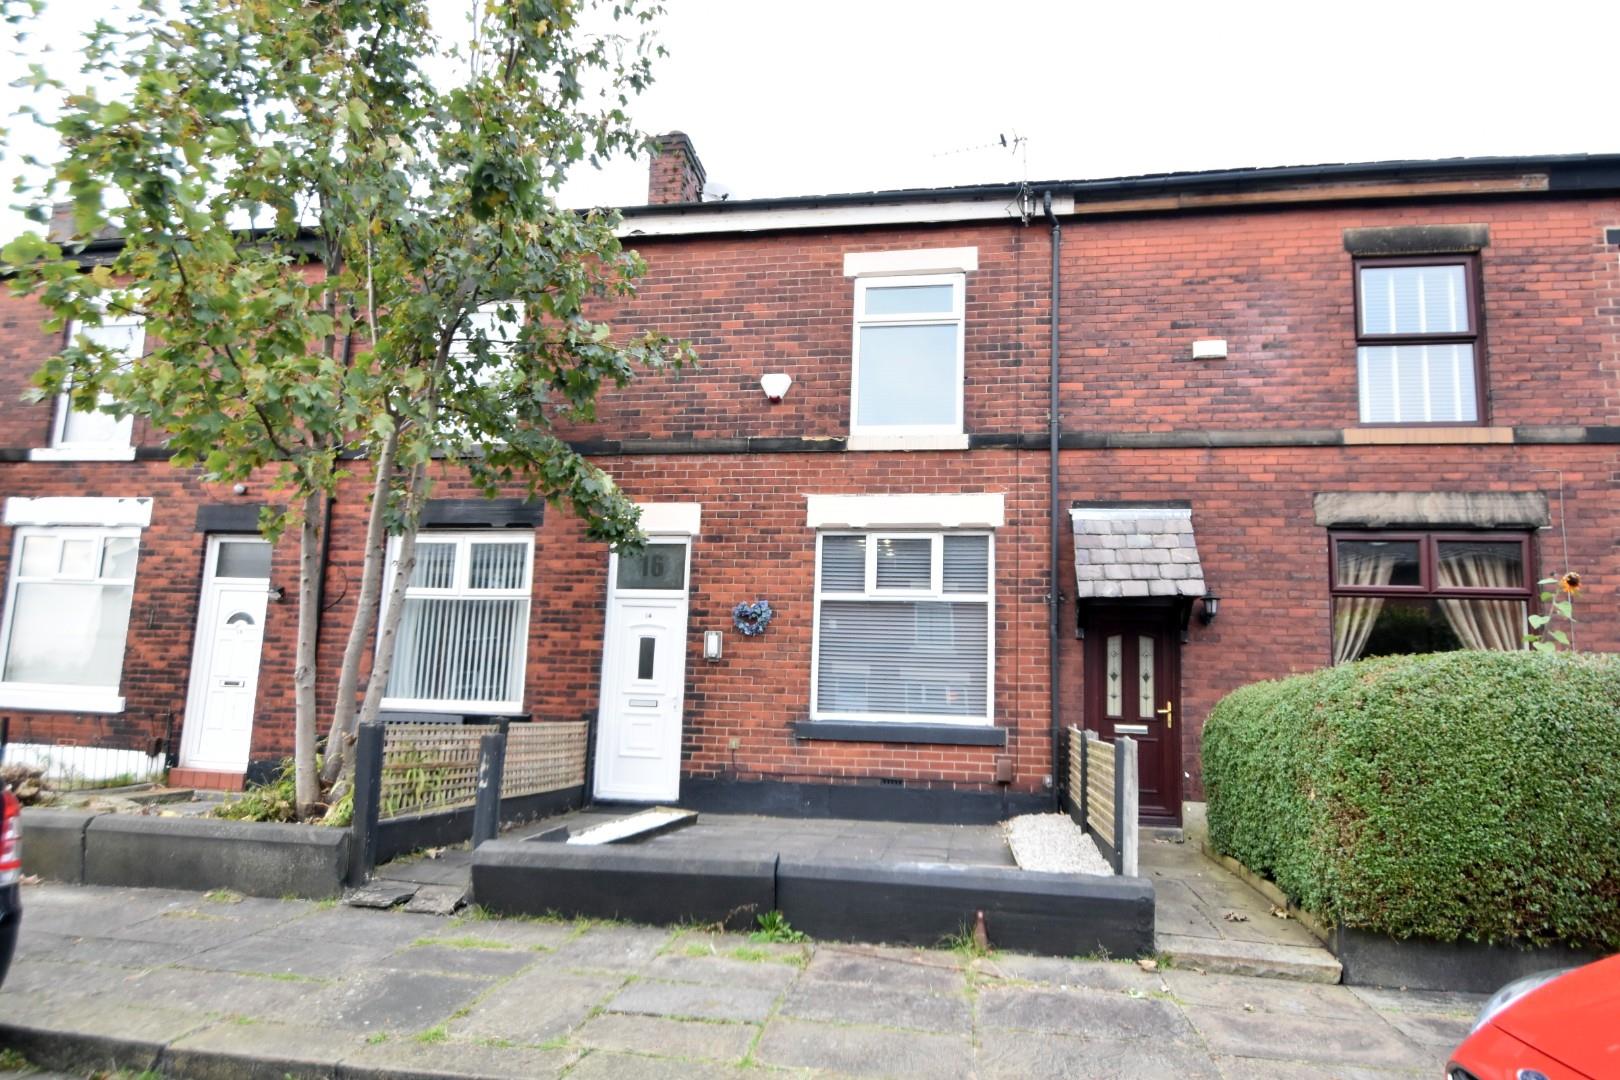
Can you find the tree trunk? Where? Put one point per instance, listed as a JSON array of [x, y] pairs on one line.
[[388, 635], [307, 788], [341, 735]]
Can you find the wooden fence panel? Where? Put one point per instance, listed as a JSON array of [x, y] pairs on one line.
[[428, 767], [543, 757]]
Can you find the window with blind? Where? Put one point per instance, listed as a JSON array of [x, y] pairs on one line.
[[908, 356], [1417, 335], [67, 613], [903, 627], [463, 632]]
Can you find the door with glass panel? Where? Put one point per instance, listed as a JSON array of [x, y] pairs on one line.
[[225, 661], [1133, 687], [638, 731]]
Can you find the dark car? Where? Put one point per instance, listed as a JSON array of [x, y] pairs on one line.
[[1558, 1025], [10, 876]]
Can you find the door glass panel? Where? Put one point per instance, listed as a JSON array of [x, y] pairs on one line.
[[239, 618], [656, 566], [1378, 563], [1114, 673], [237, 559], [1144, 677], [644, 663]]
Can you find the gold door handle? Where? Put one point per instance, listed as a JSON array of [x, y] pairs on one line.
[[1169, 714]]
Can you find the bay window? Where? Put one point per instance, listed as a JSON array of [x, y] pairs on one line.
[[903, 627], [464, 632], [1418, 592], [67, 617]]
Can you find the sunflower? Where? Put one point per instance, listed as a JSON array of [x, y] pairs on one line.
[[1570, 583]]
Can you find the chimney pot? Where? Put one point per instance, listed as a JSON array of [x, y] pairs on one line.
[[676, 175]]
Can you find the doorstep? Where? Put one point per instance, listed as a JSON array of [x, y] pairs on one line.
[[206, 778]]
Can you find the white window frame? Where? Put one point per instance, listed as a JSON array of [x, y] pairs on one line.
[[463, 541], [56, 696], [882, 433], [118, 448], [935, 593]]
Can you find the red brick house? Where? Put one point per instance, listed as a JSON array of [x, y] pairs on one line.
[[1298, 416]]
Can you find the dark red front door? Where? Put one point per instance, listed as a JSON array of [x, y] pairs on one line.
[[1133, 687]]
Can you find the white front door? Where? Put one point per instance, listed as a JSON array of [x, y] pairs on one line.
[[225, 662], [638, 730]]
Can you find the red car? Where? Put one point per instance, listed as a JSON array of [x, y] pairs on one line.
[[1558, 1025], [10, 875]]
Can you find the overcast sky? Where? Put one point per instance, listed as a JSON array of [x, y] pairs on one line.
[[854, 95]]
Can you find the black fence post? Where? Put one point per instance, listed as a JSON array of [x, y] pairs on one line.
[[491, 766], [368, 766]]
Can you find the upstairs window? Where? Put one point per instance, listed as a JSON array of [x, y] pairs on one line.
[[1396, 593], [1417, 336], [903, 627], [91, 432], [908, 355]]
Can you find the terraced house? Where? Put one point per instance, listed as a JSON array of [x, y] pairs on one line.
[[1000, 460]]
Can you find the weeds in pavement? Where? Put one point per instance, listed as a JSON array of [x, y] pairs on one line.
[[775, 929]]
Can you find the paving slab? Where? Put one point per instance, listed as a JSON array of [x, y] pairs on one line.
[[1435, 1002], [218, 994], [1061, 973], [461, 960], [52, 978], [536, 1006], [704, 1041], [390, 928], [1265, 960], [1267, 995], [112, 952], [883, 1005], [1304, 1038], [694, 1000], [1441, 1032], [1241, 1068], [676, 966], [381, 894], [518, 933], [865, 1051], [263, 1051], [288, 953], [437, 899], [409, 1059], [397, 1001], [900, 969], [90, 1035], [1089, 1013], [612, 948], [1009, 1056], [607, 1065]]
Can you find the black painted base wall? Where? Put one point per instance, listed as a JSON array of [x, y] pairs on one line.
[[864, 802], [1418, 964], [413, 832]]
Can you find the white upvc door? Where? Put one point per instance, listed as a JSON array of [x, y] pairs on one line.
[[638, 731], [225, 660]]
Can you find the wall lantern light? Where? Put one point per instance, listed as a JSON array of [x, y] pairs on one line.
[[775, 385], [712, 641], [1211, 608]]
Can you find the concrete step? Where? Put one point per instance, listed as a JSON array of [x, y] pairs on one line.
[[1300, 963]]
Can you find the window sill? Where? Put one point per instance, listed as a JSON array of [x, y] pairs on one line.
[[906, 442], [901, 732], [1426, 435], [83, 453], [53, 700]]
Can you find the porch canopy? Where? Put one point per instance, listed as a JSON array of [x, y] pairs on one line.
[[1135, 551]]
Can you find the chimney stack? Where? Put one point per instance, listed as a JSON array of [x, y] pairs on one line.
[[676, 174]]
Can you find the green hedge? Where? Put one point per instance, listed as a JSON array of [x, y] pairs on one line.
[[1456, 796]]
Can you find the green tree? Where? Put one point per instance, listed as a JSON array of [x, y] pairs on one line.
[[345, 242]]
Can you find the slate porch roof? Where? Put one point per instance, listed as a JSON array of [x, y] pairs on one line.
[[1137, 551]]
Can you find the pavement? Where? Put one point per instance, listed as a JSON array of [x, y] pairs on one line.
[[189, 985]]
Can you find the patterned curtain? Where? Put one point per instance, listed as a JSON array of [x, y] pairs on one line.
[[1354, 616]]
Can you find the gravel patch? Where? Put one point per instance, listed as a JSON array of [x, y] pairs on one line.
[[1053, 844]]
